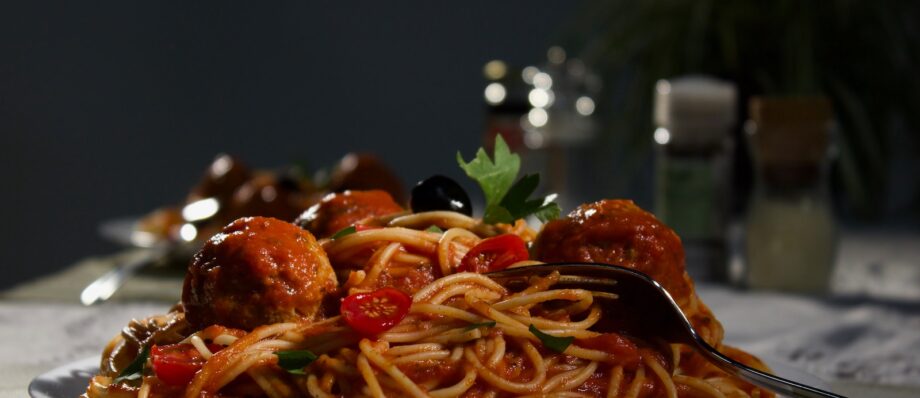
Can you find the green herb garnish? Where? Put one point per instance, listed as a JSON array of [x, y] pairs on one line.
[[294, 361], [135, 369], [473, 326], [344, 231], [558, 344], [434, 228], [506, 200]]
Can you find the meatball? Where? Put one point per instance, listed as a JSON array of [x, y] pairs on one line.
[[342, 210], [257, 271], [618, 232], [268, 195], [362, 171], [222, 178]]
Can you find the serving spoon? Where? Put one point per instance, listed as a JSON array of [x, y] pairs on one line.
[[639, 297]]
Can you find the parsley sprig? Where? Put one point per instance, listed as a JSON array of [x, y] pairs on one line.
[[507, 200]]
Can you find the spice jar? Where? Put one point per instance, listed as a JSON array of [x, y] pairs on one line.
[[790, 232]]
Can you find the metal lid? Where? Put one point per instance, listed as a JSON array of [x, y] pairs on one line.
[[695, 100]]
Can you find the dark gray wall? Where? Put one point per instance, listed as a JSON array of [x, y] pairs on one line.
[[111, 109]]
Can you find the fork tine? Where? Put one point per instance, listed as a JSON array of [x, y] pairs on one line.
[[570, 277], [606, 295], [586, 280]]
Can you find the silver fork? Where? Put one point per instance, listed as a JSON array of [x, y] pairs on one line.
[[654, 312]]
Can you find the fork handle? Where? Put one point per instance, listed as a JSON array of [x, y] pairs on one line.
[[105, 286], [774, 383]]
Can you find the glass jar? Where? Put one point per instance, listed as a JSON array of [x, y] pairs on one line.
[[694, 116], [790, 231]]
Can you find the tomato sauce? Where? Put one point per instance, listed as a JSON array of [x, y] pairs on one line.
[[447, 373], [341, 210], [622, 351]]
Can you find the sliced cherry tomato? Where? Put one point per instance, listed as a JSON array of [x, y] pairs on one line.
[[176, 364], [494, 254], [622, 350], [373, 313]]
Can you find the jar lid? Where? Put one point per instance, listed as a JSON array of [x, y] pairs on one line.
[[790, 130], [695, 100], [696, 109], [790, 137]]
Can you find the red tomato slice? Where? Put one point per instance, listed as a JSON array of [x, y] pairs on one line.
[[494, 254], [373, 313], [176, 364]]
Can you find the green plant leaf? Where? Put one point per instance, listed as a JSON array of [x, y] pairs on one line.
[[494, 177], [496, 214], [434, 228], [517, 196], [135, 369], [344, 232], [294, 361], [506, 200], [557, 344], [547, 212]]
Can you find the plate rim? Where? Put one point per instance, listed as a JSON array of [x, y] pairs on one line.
[[92, 364]]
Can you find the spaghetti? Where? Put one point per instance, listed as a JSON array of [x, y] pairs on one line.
[[463, 335]]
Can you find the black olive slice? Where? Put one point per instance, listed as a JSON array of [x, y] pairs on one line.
[[440, 193]]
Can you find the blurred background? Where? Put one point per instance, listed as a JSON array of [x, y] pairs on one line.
[[719, 117], [115, 109]]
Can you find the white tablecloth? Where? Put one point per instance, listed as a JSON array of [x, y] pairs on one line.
[[858, 348], [40, 336]]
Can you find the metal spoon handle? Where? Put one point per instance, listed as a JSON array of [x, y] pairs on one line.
[[106, 285], [775, 383]]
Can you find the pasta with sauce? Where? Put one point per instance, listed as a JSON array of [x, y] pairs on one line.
[[396, 305]]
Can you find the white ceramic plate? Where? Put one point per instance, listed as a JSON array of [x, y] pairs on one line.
[[67, 381], [70, 380]]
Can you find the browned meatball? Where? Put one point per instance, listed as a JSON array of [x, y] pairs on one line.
[[363, 171], [221, 179], [342, 210], [257, 271], [267, 195], [618, 232]]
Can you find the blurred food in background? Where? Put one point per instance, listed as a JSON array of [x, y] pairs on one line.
[[229, 190], [364, 171]]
